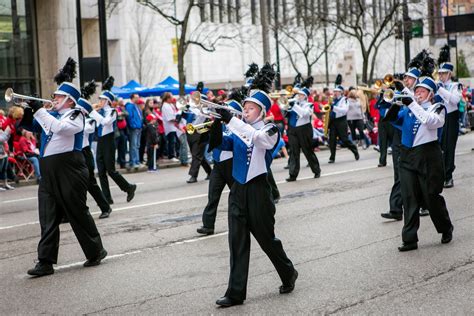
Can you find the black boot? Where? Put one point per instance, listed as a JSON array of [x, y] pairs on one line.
[[205, 231], [105, 214], [228, 302], [96, 261], [41, 269], [131, 192], [392, 215], [288, 288], [192, 180], [408, 247], [447, 236]]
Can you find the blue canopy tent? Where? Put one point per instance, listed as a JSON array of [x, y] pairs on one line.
[[172, 85], [131, 87]]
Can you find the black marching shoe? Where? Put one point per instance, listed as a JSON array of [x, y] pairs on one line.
[[131, 192], [317, 175], [105, 214], [41, 269], [447, 236], [228, 302], [381, 165], [424, 212], [96, 261], [290, 179], [331, 161], [392, 215], [192, 180], [205, 231], [356, 156], [288, 288], [286, 167], [408, 247], [449, 183]]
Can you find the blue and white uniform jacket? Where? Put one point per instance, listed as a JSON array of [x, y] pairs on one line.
[[451, 95], [219, 155], [300, 114], [61, 131], [252, 147], [339, 107], [89, 129], [105, 119], [419, 123]]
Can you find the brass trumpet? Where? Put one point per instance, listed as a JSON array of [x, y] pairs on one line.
[[208, 108], [198, 128], [19, 99]]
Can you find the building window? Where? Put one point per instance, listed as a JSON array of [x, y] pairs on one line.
[[221, 11], [211, 10], [202, 10], [17, 61]]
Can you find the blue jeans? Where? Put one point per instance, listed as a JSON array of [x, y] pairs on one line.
[[183, 149], [135, 134], [35, 162]]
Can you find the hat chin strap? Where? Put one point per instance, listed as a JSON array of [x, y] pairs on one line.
[[59, 107]]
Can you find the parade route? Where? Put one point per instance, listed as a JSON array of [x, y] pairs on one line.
[[331, 228]]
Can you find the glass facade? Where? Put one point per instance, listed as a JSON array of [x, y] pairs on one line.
[[17, 44]]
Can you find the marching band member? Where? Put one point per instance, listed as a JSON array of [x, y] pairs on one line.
[[395, 199], [89, 130], [105, 116], [221, 175], [63, 186], [197, 144], [451, 93], [300, 133], [251, 207], [338, 123], [421, 164]]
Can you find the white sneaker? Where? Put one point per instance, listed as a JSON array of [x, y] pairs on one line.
[[9, 187], [2, 189], [174, 159]]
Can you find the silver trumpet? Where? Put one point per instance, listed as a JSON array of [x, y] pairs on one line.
[[208, 108], [391, 96], [19, 99]]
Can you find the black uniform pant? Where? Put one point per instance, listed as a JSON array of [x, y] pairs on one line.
[[221, 175], [273, 185], [106, 165], [92, 185], [63, 191], [395, 200], [338, 128], [386, 131], [197, 144], [251, 210], [422, 179], [301, 139], [449, 138]]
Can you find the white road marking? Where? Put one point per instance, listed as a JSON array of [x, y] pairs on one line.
[[134, 252], [204, 195], [35, 197]]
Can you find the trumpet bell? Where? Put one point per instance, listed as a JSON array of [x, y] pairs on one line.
[[199, 128], [19, 99], [388, 79], [9, 94]]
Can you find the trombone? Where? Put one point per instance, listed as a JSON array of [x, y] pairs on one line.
[[19, 99], [208, 108], [198, 128]]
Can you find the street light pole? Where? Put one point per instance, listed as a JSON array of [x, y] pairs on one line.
[[265, 39], [79, 41], [406, 33], [277, 44], [103, 40]]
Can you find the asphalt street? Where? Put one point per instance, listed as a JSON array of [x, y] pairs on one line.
[[331, 228]]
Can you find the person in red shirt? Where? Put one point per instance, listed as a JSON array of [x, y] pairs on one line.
[[274, 115], [27, 146]]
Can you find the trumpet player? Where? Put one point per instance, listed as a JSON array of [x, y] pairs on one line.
[[300, 135], [450, 92], [421, 163], [221, 175], [395, 200], [105, 116], [197, 142], [63, 186], [338, 124]]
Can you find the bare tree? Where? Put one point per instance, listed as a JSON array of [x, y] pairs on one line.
[[302, 32], [144, 58], [205, 35], [370, 22]]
